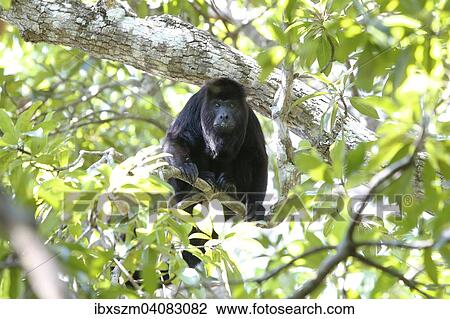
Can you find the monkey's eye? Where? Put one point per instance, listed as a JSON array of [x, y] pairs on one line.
[[231, 105], [217, 105]]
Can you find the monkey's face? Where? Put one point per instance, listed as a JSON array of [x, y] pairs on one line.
[[223, 117], [224, 124], [226, 115]]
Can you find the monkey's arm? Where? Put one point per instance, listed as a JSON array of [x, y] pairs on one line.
[[181, 158]]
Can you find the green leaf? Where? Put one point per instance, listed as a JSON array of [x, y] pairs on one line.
[[142, 9], [269, 59], [382, 285], [445, 253], [322, 78], [308, 52], [313, 261], [387, 104], [328, 227], [277, 32], [329, 118], [234, 276], [399, 72], [24, 123], [180, 230], [364, 108], [295, 25], [199, 236], [308, 161], [337, 153], [313, 164], [14, 288], [204, 223], [6, 4], [7, 127], [334, 112], [150, 276], [312, 239], [307, 97], [23, 181], [324, 52], [291, 205], [38, 144], [355, 158], [338, 5], [52, 191], [401, 21], [430, 266], [48, 124]]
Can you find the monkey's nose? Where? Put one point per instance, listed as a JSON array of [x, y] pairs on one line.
[[223, 117]]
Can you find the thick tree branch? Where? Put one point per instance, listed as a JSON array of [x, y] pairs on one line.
[[168, 47]]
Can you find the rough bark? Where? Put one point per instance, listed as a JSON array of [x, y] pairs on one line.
[[168, 47]]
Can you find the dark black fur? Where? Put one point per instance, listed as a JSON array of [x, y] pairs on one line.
[[218, 137]]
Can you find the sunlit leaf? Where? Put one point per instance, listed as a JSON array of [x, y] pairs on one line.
[[364, 108]]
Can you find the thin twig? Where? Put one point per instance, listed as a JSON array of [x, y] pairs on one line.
[[393, 272], [9, 264], [398, 244], [129, 277], [276, 271], [122, 117], [342, 253]]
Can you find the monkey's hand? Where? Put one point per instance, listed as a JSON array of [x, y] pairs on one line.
[[225, 184], [208, 177], [189, 171]]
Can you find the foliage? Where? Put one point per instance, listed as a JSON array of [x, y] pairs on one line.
[[385, 62]]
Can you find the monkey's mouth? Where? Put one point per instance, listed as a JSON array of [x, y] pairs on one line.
[[223, 127]]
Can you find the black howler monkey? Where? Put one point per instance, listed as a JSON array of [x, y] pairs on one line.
[[217, 137]]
